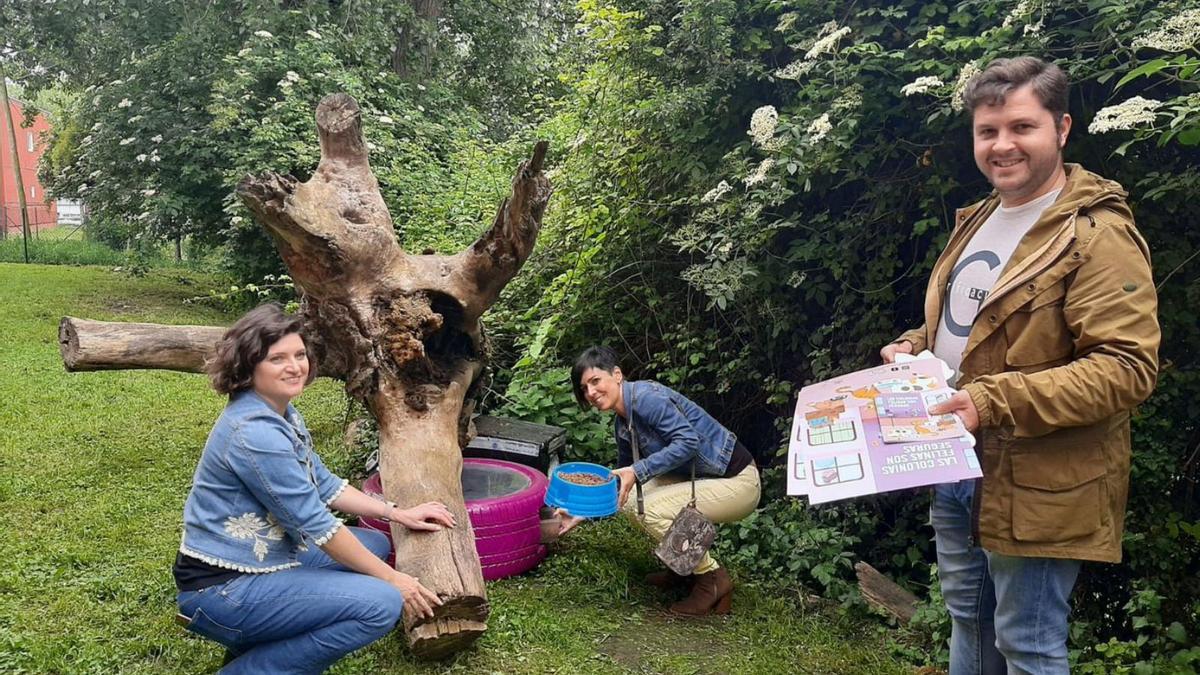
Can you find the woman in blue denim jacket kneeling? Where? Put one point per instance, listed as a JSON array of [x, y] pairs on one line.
[[673, 433], [264, 567]]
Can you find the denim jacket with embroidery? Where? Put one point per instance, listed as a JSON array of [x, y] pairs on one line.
[[671, 431], [260, 492]]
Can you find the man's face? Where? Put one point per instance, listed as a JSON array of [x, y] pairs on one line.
[[1018, 148]]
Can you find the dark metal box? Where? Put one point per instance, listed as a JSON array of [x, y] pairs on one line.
[[516, 441]]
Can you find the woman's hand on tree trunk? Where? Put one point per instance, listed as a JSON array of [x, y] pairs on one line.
[[418, 600], [430, 516]]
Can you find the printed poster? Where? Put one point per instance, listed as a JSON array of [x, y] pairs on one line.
[[870, 431]]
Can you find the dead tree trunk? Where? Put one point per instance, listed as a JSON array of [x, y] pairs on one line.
[[403, 331]]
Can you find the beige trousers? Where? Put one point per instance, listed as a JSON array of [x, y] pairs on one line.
[[721, 500]]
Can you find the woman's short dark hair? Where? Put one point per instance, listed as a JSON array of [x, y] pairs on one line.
[[245, 345], [603, 358]]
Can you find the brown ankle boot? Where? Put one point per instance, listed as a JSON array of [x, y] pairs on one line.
[[712, 593], [667, 580]]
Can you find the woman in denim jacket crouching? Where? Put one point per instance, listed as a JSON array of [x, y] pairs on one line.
[[264, 567], [673, 433]]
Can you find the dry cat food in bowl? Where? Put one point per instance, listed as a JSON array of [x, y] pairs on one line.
[[582, 478]]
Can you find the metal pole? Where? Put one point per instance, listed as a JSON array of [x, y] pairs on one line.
[[12, 135]]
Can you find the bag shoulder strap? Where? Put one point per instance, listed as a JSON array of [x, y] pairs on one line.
[[633, 441]]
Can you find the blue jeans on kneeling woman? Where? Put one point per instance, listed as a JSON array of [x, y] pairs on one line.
[[297, 620]]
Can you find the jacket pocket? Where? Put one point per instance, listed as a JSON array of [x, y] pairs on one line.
[[203, 624], [1058, 494], [1037, 332]]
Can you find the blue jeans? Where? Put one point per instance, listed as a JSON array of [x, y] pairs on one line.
[[298, 620], [1008, 614]]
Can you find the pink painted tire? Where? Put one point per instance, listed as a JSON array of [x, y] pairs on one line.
[[503, 500]]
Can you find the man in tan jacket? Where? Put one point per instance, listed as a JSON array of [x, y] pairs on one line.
[[1043, 301]]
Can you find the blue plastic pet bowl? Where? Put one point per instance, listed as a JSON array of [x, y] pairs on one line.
[[589, 501]]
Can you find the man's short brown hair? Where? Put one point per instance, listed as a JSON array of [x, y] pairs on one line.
[[1003, 76], [245, 345]]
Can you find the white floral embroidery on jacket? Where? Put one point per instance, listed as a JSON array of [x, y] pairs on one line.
[[251, 525]]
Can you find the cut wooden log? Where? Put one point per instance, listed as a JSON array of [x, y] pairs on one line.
[[103, 345], [884, 594]]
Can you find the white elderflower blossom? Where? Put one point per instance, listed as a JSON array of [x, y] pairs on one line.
[[133, 119], [827, 44], [420, 87], [1128, 114], [1023, 9], [786, 21], [149, 193], [141, 157], [157, 138], [313, 34], [1035, 28], [263, 34], [762, 126], [921, 85], [235, 220], [127, 141], [725, 279], [851, 98], [760, 173], [819, 128], [96, 126], [1178, 34], [244, 52], [125, 103], [795, 70], [716, 193], [687, 237], [964, 76]]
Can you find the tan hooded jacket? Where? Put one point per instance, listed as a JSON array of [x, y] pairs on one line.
[[1062, 349]]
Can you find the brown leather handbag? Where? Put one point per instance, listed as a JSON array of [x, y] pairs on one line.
[[691, 533]]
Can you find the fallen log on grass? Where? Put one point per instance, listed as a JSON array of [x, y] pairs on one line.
[[884, 594]]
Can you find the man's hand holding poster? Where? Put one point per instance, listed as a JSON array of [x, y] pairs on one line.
[[870, 431]]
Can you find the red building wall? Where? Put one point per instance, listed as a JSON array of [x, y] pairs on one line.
[[42, 213]]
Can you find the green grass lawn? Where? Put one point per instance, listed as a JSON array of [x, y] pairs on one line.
[[96, 466]]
